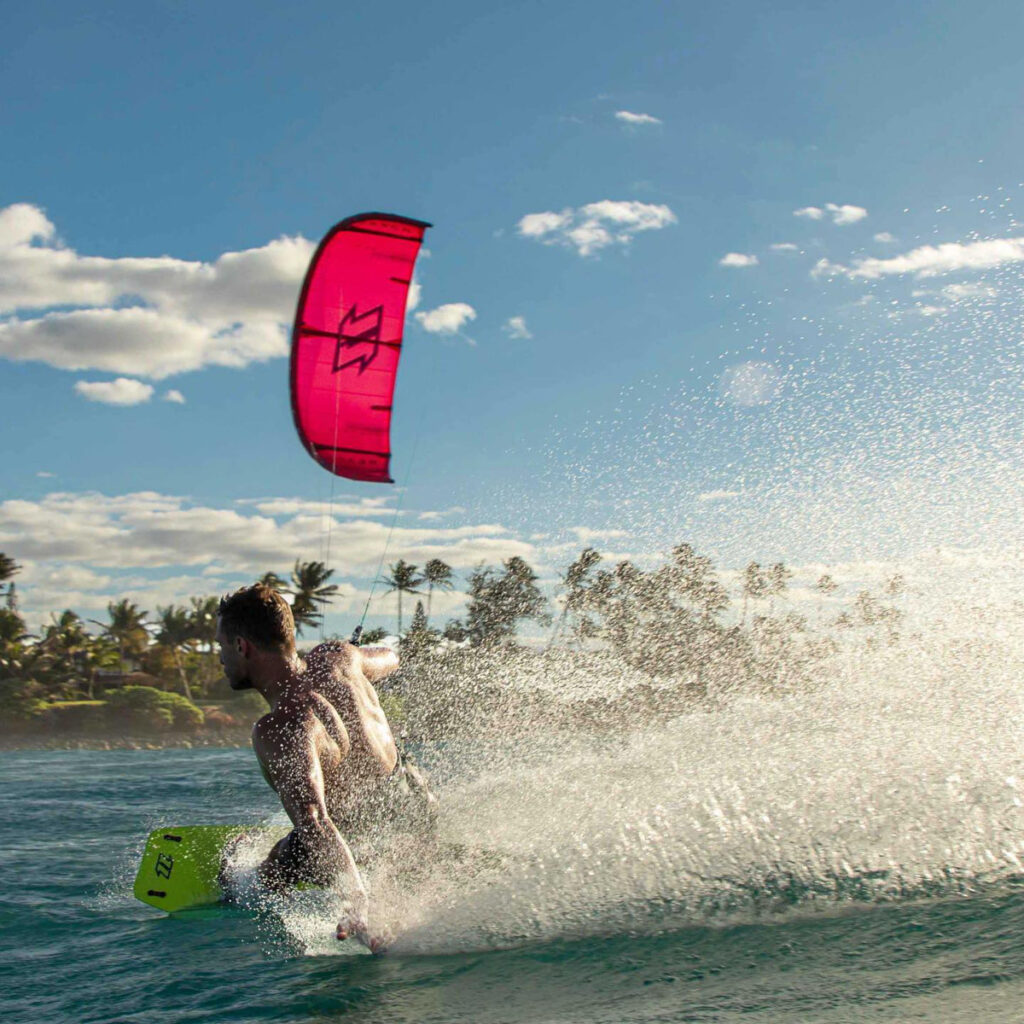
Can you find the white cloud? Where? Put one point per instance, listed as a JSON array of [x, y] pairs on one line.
[[22, 223], [122, 391], [826, 268], [710, 496], [138, 341], [753, 383], [628, 117], [596, 225], [960, 292], [738, 259], [279, 507], [846, 214], [933, 260], [842, 214], [174, 396], [515, 327], [585, 535], [145, 316], [885, 236], [536, 225], [447, 319], [784, 247], [148, 533], [43, 474], [453, 510]]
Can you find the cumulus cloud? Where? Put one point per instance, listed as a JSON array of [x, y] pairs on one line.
[[443, 513], [122, 391], [628, 117], [885, 236], [784, 247], [341, 506], [846, 214], [147, 534], [537, 225], [841, 214], [961, 292], [596, 225], [738, 259], [447, 319], [174, 396], [145, 316], [45, 475], [150, 530], [932, 260], [515, 327]]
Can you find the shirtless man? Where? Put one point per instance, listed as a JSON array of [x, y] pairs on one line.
[[322, 764]]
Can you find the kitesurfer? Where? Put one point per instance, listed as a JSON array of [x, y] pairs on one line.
[[333, 762]]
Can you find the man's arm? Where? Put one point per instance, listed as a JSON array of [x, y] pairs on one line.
[[377, 662], [314, 850]]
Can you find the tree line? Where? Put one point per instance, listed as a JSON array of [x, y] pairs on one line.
[[675, 619]]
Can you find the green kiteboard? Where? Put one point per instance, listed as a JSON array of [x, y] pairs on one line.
[[181, 865]]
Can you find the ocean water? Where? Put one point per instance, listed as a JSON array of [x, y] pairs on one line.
[[851, 854]]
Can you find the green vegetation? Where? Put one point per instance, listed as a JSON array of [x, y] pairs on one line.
[[673, 632]]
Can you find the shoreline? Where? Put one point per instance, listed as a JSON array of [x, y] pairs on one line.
[[25, 741]]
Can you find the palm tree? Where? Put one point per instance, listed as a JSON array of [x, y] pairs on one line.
[[204, 632], [12, 642], [204, 620], [826, 586], [436, 574], [127, 628], [63, 647], [8, 568], [310, 589], [272, 580], [403, 580], [576, 579], [177, 634], [755, 584], [778, 579]]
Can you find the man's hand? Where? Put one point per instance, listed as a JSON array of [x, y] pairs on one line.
[[353, 925]]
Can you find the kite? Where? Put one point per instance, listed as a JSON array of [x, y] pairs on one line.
[[347, 340]]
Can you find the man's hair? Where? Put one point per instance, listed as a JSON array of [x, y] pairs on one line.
[[261, 615]]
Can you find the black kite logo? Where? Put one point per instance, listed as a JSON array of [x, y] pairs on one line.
[[358, 329], [164, 865]]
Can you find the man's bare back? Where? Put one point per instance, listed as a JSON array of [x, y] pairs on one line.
[[322, 754], [327, 742]]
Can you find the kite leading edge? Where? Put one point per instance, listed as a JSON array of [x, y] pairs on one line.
[[347, 340]]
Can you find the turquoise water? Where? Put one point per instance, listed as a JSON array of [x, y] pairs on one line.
[[774, 863]]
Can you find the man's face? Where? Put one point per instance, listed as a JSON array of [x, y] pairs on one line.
[[232, 657]]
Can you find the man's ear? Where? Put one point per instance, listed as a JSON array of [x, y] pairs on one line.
[[242, 646]]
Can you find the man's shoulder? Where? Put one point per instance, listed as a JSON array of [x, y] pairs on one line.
[[332, 652], [288, 719]]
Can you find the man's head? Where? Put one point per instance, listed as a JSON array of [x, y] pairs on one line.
[[251, 623]]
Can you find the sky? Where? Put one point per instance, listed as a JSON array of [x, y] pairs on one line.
[[741, 274]]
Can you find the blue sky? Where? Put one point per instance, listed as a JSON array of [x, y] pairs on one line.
[[588, 168]]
